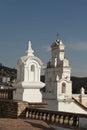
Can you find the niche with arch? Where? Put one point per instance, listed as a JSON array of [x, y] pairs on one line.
[[32, 68], [32, 72], [63, 87]]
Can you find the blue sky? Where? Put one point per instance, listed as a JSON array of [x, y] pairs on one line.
[[39, 21]]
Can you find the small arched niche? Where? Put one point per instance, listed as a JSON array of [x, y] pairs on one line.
[[63, 87], [32, 68], [32, 72]]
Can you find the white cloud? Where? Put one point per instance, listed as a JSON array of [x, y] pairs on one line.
[[46, 48], [81, 46], [79, 72]]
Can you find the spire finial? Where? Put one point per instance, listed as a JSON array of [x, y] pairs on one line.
[[29, 45], [29, 49]]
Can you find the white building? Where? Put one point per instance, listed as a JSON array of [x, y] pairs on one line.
[[58, 93], [4, 79], [28, 82]]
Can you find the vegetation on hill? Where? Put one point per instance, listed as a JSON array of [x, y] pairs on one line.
[[77, 83], [8, 72]]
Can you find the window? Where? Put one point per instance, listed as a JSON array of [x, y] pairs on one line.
[[63, 88], [32, 68]]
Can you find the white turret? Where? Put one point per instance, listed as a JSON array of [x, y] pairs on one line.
[[28, 77]]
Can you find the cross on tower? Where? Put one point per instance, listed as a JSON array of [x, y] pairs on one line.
[[57, 35]]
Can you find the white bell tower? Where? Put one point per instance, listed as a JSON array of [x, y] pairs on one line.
[[57, 76]]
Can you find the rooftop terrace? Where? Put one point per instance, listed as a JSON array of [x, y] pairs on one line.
[[23, 124]]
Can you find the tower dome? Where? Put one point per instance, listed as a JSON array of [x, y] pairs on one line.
[[57, 43]]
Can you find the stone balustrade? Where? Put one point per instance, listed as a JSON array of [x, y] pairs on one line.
[[59, 118], [6, 93]]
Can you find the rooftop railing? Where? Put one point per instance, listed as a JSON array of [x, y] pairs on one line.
[[6, 93], [61, 119]]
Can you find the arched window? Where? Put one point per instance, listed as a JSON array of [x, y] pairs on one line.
[[63, 88], [32, 68]]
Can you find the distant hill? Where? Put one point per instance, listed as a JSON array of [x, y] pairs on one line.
[[77, 83], [8, 72]]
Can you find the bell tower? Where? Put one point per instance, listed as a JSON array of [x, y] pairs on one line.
[[57, 74], [57, 52]]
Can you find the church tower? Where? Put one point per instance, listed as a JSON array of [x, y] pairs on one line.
[[28, 77], [57, 75]]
